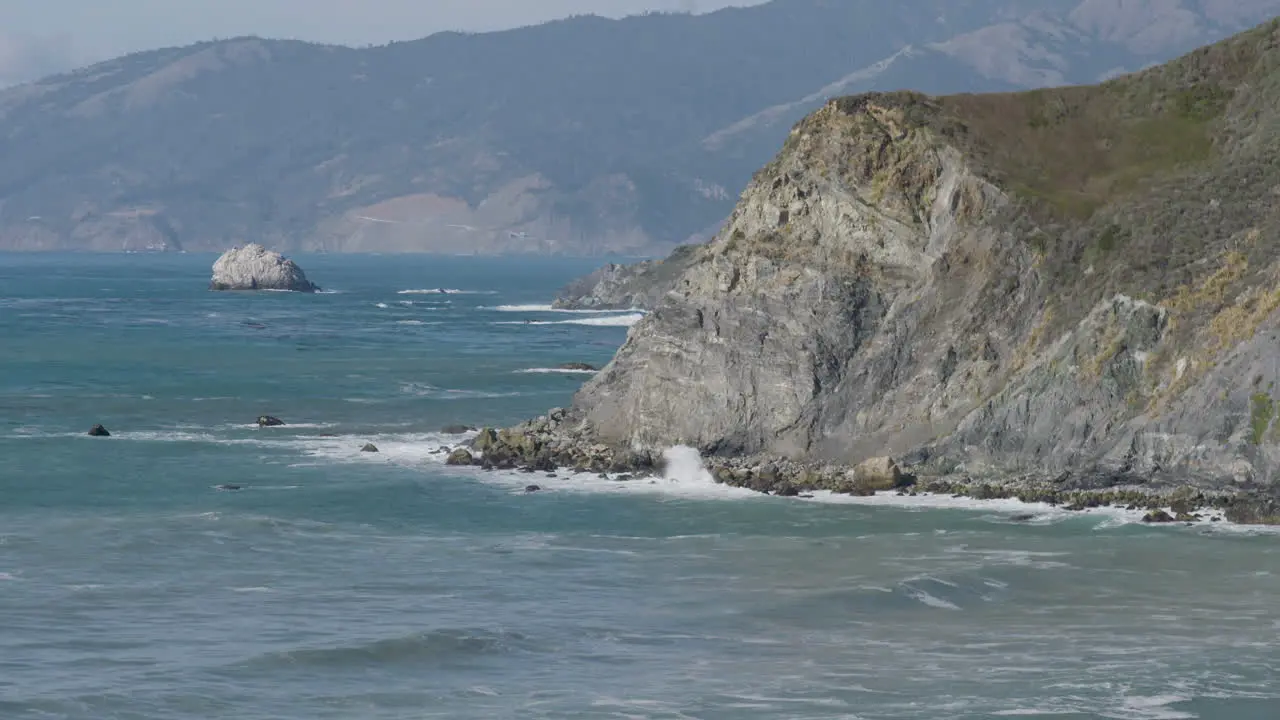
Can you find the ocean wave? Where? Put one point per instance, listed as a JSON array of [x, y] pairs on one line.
[[612, 321], [382, 305], [550, 309], [425, 390], [434, 647], [446, 291], [550, 371]]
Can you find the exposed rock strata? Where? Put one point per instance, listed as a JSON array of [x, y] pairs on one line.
[[1068, 295], [622, 287], [254, 267]]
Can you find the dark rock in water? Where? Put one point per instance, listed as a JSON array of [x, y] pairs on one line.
[[1264, 510], [369, 448], [228, 488], [98, 431], [532, 488], [786, 490], [805, 496], [552, 475], [457, 429], [1027, 517], [578, 367], [1157, 516], [528, 469], [461, 456], [269, 421]]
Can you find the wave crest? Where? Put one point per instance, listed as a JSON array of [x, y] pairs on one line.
[[434, 647]]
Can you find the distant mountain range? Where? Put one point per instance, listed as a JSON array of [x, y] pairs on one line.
[[584, 136]]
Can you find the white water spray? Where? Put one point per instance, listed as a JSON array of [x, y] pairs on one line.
[[684, 466]]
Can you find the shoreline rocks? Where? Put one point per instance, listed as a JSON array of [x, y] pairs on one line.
[[551, 443], [253, 267]]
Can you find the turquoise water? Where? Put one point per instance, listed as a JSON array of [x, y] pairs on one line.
[[340, 584]]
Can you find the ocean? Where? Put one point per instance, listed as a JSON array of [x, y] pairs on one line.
[[348, 585]]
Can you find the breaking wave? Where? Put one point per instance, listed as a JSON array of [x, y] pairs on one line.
[[613, 321], [446, 291]]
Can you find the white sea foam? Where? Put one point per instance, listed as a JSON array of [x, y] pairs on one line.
[[548, 371], [384, 306], [608, 321], [685, 477], [1154, 708], [425, 390], [445, 291], [550, 309], [933, 602]]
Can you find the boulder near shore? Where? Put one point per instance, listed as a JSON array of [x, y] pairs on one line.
[[253, 267]]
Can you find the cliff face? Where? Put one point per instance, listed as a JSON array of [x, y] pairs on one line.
[[621, 287], [1082, 280]]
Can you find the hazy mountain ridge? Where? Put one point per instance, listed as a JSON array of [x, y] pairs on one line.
[[581, 136]]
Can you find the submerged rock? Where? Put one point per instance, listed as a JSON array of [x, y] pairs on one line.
[[98, 431], [229, 487], [369, 448], [253, 267], [269, 421], [456, 429], [532, 488], [1157, 516]]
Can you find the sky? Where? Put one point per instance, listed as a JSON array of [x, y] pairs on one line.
[[39, 37]]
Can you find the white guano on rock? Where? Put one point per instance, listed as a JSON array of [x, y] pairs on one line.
[[254, 267]]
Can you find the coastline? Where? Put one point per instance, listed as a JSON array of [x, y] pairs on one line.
[[550, 445]]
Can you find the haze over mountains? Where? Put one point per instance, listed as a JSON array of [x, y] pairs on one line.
[[582, 136]]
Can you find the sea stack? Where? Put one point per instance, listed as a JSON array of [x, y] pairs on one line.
[[253, 267]]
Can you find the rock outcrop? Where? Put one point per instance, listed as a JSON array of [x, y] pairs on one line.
[[254, 267], [98, 431], [1067, 295], [623, 287]]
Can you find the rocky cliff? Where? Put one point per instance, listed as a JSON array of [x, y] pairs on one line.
[[254, 267], [622, 287], [1076, 285]]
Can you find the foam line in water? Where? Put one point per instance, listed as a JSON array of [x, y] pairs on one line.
[[550, 309], [446, 291], [611, 321], [554, 371]]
